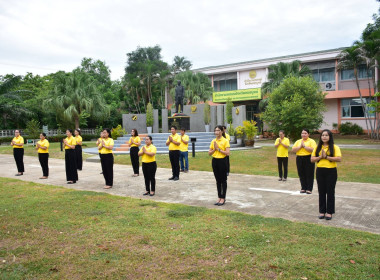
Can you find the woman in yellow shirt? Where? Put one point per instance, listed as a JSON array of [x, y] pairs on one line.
[[282, 145], [326, 155], [134, 143], [149, 166], [219, 150], [78, 148], [70, 158], [106, 157], [98, 143], [18, 152], [42, 148], [303, 149]]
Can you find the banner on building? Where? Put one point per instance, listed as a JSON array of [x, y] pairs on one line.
[[237, 95]]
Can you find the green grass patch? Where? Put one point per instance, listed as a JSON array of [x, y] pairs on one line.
[[49, 232]]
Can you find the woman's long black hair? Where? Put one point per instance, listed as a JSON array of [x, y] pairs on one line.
[[222, 129], [330, 143]]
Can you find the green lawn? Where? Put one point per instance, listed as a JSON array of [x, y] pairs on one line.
[[49, 232]]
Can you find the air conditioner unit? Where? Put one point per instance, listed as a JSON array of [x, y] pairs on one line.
[[330, 86]]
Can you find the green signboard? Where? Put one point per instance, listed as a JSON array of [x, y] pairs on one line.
[[237, 95]]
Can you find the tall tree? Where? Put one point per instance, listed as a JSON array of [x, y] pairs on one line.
[[74, 94], [296, 103], [180, 64]]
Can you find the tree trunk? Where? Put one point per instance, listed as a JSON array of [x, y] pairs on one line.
[[76, 119], [361, 100]]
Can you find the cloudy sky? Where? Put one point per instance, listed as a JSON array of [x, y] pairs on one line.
[[42, 36]]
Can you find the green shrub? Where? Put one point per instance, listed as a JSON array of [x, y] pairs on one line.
[[206, 113], [149, 115], [33, 129], [229, 107], [117, 132], [350, 129]]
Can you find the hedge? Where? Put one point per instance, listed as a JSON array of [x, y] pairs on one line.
[[52, 139]]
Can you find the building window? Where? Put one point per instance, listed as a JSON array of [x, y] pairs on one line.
[[225, 82], [348, 74], [352, 108], [324, 75]]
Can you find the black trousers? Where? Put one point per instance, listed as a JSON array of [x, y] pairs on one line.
[[282, 162], [326, 179], [228, 163], [134, 152], [305, 170], [219, 167], [71, 165], [107, 167], [78, 154], [174, 160], [149, 170], [44, 161], [18, 154]]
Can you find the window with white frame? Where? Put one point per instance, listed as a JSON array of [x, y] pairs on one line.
[[324, 75], [352, 107], [348, 74]]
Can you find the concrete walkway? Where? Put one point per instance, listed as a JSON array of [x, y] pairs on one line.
[[357, 204]]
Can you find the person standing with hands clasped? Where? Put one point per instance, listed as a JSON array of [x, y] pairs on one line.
[[106, 157], [134, 143], [184, 151], [282, 144], [174, 140], [78, 149], [149, 166], [227, 136], [219, 150], [326, 155], [303, 149], [70, 158], [42, 148], [18, 152]]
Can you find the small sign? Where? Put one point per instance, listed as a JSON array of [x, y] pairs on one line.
[[134, 118]]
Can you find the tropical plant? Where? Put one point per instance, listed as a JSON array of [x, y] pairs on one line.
[[118, 131], [250, 129], [206, 113], [75, 93], [231, 130], [180, 64], [239, 131], [297, 103], [229, 107], [350, 128], [149, 115], [33, 129]]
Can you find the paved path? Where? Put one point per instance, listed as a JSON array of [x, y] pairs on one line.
[[357, 204]]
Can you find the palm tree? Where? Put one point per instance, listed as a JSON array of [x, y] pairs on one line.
[[180, 64], [75, 94], [11, 106]]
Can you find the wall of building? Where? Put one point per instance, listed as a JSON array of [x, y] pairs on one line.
[[363, 83], [331, 115]]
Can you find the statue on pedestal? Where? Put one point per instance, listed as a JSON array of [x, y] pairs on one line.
[[179, 94]]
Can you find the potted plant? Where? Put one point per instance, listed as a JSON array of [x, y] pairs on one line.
[[239, 132], [149, 117], [250, 130], [207, 116], [231, 132]]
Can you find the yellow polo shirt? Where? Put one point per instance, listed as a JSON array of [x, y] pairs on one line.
[[223, 144], [78, 139], [308, 143], [228, 137], [176, 137], [71, 141], [43, 143], [151, 149], [325, 163], [281, 150], [135, 139], [108, 142], [18, 140], [184, 147]]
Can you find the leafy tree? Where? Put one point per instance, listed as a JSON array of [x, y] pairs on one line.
[[197, 87], [229, 107], [33, 129], [75, 93], [296, 103], [180, 64]]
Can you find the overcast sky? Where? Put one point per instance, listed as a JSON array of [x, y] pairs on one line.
[[42, 37]]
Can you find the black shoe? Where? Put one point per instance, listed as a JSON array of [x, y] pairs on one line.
[[328, 218], [284, 179], [171, 178], [19, 174], [175, 179], [152, 194], [280, 179], [182, 170], [220, 204], [308, 192], [147, 193], [302, 191], [217, 203], [321, 217]]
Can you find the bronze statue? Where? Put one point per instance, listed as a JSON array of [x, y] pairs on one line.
[[179, 93]]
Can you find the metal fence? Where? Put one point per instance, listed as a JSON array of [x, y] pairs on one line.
[[50, 132]]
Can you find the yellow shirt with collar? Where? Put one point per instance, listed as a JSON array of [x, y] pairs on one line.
[[18, 140], [78, 138], [281, 150], [151, 149], [325, 163], [223, 144], [176, 137], [184, 147], [228, 137], [135, 139], [71, 141], [107, 142], [308, 143], [43, 143]]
